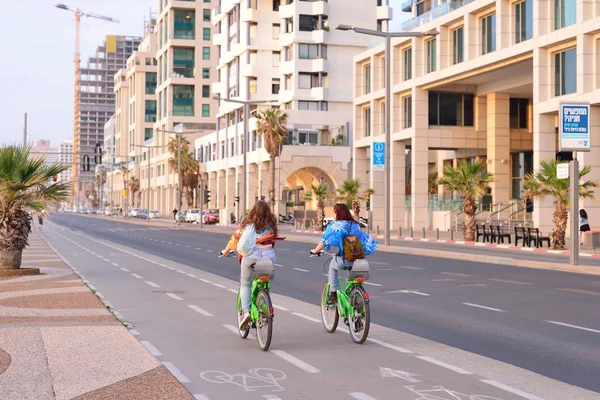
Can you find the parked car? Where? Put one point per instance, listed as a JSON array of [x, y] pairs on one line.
[[154, 214], [143, 214], [109, 212], [193, 215], [134, 212], [211, 216], [182, 214]]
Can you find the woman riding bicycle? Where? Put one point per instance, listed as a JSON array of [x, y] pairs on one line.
[[265, 225], [342, 226]]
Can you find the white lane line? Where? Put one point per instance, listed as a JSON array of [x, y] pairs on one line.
[[415, 268], [205, 280], [124, 269], [162, 241], [200, 310], [210, 251], [306, 317], [390, 346], [301, 270], [153, 350], [181, 272], [219, 286], [512, 390], [458, 370], [295, 361], [455, 274], [198, 248], [187, 246], [278, 265], [176, 373], [134, 332], [200, 397], [583, 328], [279, 307], [270, 397], [115, 264], [233, 291], [361, 396], [173, 296], [232, 328], [152, 284], [163, 265], [192, 275], [137, 276], [106, 259], [373, 284], [483, 307], [411, 292], [177, 244]]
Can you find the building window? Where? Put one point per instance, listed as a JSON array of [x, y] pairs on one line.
[[565, 72], [458, 45], [276, 57], [565, 13], [308, 137], [206, 15], [206, 73], [183, 62], [150, 82], [275, 85], [206, 110], [206, 53], [253, 84], [431, 55], [308, 23], [523, 21], [275, 31], [518, 113], [407, 112], [450, 109], [367, 121], [308, 51], [184, 26], [205, 91], [488, 34], [367, 75], [183, 100], [150, 111], [276, 5], [407, 61], [522, 164], [205, 33], [148, 134]]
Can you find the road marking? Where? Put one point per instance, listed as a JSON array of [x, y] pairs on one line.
[[295, 361], [512, 390], [509, 281], [153, 350], [301, 270], [444, 280], [409, 291], [198, 248], [270, 397], [373, 284], [191, 275], [187, 246], [279, 307], [200, 310], [134, 332], [306, 317], [106, 259], [361, 396], [444, 365], [163, 265], [137, 276], [152, 284], [583, 328], [162, 241], [210, 251], [378, 263], [301, 252], [233, 291], [177, 373], [580, 291], [484, 307], [177, 244], [181, 272], [169, 242], [455, 274], [232, 329], [390, 346], [219, 286], [200, 397], [115, 264], [278, 265], [472, 284], [173, 296], [205, 281]]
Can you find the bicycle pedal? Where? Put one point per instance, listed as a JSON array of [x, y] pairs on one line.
[[346, 322]]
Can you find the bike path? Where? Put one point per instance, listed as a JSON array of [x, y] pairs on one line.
[[309, 362]]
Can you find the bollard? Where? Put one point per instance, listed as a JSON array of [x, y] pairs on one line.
[[451, 234], [399, 231], [377, 230], [423, 232], [437, 233], [412, 232]]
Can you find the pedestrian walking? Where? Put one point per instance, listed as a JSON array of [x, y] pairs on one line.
[[584, 224], [175, 214]]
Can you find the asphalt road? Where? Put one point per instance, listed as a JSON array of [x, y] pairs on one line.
[[543, 321]]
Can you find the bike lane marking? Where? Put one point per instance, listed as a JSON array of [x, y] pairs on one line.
[[510, 389], [483, 307], [361, 396], [583, 328], [176, 373], [173, 296], [154, 285], [301, 270], [306, 317], [150, 347], [389, 346], [235, 330], [451, 367], [137, 276], [200, 397], [295, 361], [200, 310]]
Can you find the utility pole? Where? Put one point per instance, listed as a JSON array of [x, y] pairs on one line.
[[25, 131]]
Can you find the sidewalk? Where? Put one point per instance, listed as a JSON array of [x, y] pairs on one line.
[[59, 341]]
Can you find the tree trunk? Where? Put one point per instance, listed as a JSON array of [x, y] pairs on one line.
[[557, 238], [356, 208], [320, 215], [272, 184], [469, 209], [10, 258]]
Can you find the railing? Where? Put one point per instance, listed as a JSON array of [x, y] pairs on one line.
[[407, 5], [432, 14]]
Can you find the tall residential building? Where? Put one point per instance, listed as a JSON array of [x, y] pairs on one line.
[[43, 148], [283, 53], [97, 103], [487, 88], [108, 149], [65, 156]]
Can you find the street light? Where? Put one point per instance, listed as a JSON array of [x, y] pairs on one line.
[[246, 104], [387, 141]]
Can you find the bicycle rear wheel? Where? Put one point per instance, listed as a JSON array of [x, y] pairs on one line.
[[264, 325], [243, 333], [360, 319], [329, 312]]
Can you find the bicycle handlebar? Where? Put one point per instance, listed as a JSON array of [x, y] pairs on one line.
[[320, 253], [231, 253]]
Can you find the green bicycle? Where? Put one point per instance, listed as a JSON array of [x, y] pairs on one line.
[[261, 307], [352, 302]]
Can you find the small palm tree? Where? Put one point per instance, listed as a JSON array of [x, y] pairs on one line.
[[26, 186], [545, 183], [470, 181], [320, 193], [432, 181], [134, 186], [271, 125], [350, 194]]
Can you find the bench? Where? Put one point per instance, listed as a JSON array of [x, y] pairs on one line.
[[521, 234], [480, 231], [595, 236], [536, 237], [499, 234]]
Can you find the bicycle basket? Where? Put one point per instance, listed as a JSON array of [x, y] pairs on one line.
[[360, 269], [263, 267]]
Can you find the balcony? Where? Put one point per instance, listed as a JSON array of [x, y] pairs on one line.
[[407, 6], [311, 7], [286, 11], [384, 13], [429, 16], [219, 39], [249, 15], [249, 70], [286, 67]]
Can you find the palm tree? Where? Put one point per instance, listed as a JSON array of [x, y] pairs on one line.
[[26, 185], [470, 181], [320, 192], [432, 180], [134, 186], [271, 125], [545, 183], [350, 194], [190, 169]]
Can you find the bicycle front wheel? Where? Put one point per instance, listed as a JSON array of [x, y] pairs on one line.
[[264, 325], [360, 319], [243, 332], [329, 312]]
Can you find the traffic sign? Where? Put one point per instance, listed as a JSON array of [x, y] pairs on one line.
[[378, 156], [562, 171], [574, 127]]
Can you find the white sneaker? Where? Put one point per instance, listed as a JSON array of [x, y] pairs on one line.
[[245, 321]]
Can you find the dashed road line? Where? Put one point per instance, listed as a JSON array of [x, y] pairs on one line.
[[278, 265], [176, 373], [361, 396], [510, 389], [455, 274], [154, 285], [210, 251], [409, 291], [205, 280], [295, 361], [219, 286], [390, 346], [306, 317], [153, 350], [581, 291], [442, 364], [510, 281], [115, 264], [233, 291], [199, 310], [173, 296], [483, 307], [200, 397], [373, 284], [270, 397], [137, 276], [583, 328], [187, 246], [198, 248], [301, 270], [279, 307], [192, 275]]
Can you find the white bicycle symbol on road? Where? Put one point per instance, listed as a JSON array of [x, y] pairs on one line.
[[256, 378]]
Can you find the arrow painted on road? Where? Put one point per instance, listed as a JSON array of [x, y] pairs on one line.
[[394, 373]]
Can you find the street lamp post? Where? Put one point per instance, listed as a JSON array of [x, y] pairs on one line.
[[246, 104], [387, 141]]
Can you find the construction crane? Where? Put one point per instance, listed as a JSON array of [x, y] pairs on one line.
[[76, 128]]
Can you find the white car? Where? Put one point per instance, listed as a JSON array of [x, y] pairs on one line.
[[193, 215], [109, 212], [134, 212], [154, 214]]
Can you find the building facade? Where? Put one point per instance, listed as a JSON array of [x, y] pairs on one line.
[[43, 148], [285, 55], [65, 156], [487, 88]]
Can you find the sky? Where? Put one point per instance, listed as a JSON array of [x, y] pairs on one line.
[[37, 73]]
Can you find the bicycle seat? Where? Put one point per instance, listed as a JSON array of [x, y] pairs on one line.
[[263, 267]]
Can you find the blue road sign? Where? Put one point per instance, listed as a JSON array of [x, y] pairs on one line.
[[574, 127], [378, 156]]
